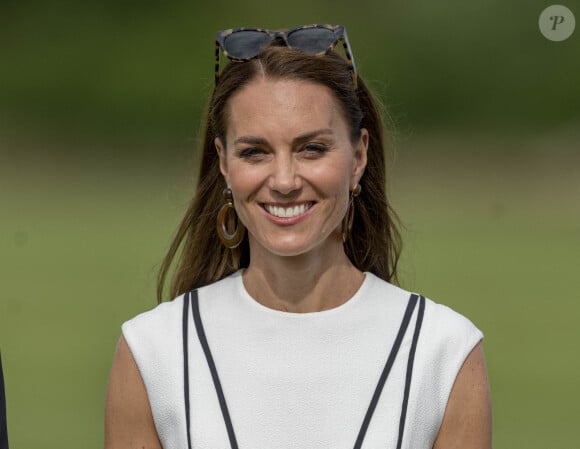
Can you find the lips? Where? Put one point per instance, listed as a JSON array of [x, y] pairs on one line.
[[288, 211]]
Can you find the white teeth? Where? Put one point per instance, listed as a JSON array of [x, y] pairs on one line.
[[287, 212]]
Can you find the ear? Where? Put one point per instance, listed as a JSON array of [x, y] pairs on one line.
[[360, 157], [221, 151]]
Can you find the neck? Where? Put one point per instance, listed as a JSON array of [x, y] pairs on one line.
[[304, 283]]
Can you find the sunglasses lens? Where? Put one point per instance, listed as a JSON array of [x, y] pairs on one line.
[[312, 40], [245, 44]]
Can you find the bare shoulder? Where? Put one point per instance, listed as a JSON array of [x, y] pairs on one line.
[[128, 418], [467, 420]]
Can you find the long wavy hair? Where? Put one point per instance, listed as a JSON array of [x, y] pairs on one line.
[[374, 244]]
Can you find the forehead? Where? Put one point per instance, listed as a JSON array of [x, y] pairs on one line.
[[282, 106]]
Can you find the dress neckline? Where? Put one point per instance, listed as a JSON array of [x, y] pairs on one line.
[[345, 307]]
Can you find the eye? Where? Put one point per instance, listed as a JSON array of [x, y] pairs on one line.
[[251, 153], [315, 149]]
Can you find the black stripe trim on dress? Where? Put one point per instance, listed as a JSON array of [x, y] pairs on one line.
[[212, 368], [418, 324], [186, 363], [387, 369], [374, 401]]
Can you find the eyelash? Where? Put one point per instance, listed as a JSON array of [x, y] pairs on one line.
[[310, 149], [251, 152], [316, 148]]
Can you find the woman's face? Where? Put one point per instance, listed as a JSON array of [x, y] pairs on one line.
[[290, 164]]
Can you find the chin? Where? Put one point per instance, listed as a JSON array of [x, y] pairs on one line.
[[288, 251], [298, 247]]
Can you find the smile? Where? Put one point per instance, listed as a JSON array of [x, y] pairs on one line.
[[287, 212]]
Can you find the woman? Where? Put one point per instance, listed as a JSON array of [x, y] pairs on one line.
[[286, 331]]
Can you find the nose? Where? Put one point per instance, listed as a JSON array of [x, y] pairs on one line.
[[284, 177]]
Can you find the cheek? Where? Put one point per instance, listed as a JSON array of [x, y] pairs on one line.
[[243, 179], [333, 180], [245, 182]]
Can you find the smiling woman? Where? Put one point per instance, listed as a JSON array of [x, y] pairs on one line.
[[290, 165], [301, 337]]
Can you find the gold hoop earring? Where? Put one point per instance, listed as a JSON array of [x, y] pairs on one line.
[[349, 217], [229, 240]]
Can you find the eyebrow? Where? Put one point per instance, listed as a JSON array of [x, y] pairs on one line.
[[253, 140]]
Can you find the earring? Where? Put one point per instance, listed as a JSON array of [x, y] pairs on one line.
[[229, 240], [349, 217]]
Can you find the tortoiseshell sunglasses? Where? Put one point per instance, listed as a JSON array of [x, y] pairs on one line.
[[243, 44]]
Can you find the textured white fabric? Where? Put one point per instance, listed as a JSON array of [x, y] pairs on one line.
[[299, 380]]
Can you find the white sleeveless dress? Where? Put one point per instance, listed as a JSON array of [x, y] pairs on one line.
[[300, 380]]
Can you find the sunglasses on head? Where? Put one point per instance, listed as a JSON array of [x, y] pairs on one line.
[[244, 44]]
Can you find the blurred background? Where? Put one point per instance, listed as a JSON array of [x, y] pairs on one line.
[[100, 108]]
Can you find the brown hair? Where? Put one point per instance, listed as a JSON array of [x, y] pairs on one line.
[[374, 244]]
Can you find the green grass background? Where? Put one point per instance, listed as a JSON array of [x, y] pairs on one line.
[[99, 111]]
